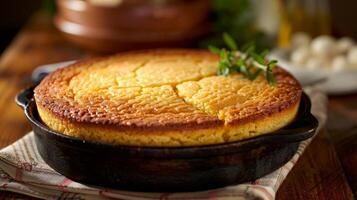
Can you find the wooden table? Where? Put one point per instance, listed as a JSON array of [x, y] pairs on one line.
[[325, 171]]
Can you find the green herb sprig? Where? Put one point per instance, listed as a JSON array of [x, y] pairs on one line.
[[245, 60]]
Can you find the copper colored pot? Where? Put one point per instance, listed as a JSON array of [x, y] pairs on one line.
[[133, 24]]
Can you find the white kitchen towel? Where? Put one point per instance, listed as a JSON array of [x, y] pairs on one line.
[[22, 170]]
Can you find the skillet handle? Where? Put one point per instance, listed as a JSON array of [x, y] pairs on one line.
[[23, 98]]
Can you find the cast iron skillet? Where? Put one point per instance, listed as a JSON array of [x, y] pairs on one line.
[[167, 169]]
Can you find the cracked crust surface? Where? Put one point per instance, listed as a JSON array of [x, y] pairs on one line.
[[163, 98]]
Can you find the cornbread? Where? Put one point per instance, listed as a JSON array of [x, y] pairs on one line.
[[163, 98]]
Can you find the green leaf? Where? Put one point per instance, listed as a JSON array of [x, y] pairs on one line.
[[269, 73], [223, 69], [214, 49], [248, 47], [273, 62], [256, 74], [264, 53], [270, 77], [228, 39], [271, 65], [240, 62], [258, 58], [223, 54]]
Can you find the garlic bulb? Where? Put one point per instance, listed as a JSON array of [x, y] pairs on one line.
[[300, 55], [344, 44], [323, 46], [339, 63], [323, 52], [352, 57]]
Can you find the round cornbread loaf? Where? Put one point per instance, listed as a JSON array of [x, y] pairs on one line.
[[163, 98]]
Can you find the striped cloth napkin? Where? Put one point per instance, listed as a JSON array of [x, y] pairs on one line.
[[22, 170]]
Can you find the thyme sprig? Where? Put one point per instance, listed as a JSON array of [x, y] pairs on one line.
[[244, 60]]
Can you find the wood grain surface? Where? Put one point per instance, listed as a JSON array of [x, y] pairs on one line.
[[325, 171]]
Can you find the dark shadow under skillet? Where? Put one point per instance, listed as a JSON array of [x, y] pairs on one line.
[[178, 169]]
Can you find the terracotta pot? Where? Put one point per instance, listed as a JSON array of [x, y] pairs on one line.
[[132, 24]]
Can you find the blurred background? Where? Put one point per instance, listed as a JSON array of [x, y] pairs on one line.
[[269, 22], [313, 39]]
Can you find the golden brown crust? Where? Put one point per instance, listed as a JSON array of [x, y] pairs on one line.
[[168, 138], [289, 95], [162, 90]]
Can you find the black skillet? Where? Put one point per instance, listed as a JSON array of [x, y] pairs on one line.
[[167, 169]]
